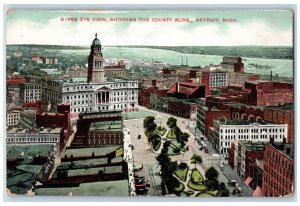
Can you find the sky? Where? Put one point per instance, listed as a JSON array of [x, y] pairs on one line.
[[249, 28]]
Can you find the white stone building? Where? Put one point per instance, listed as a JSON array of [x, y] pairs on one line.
[[35, 136], [225, 132], [30, 92], [95, 93], [13, 117]]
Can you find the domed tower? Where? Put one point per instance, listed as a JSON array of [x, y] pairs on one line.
[[95, 63]]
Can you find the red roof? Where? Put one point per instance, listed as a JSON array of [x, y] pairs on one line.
[[257, 192], [248, 180], [188, 88]]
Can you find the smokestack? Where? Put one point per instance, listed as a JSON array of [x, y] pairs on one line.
[[271, 76]]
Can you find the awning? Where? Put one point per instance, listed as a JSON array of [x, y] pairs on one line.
[[257, 192], [248, 180]]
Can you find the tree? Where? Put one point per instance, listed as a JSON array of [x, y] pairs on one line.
[[212, 184], [211, 174], [182, 165], [167, 144], [164, 150], [185, 136], [152, 137], [223, 193], [172, 122], [197, 159], [176, 150], [149, 124], [163, 159]]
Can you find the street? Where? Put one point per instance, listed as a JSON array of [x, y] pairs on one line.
[[144, 155]]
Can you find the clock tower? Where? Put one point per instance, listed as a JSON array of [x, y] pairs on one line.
[[95, 63]]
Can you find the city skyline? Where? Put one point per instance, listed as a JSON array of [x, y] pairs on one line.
[[249, 28]]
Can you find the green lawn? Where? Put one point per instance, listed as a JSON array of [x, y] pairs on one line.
[[179, 188], [137, 114], [197, 187], [197, 176], [171, 135], [161, 131], [197, 183], [175, 144], [182, 174], [204, 195]]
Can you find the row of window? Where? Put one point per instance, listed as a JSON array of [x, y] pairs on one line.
[[274, 130], [104, 141], [39, 139], [91, 87]]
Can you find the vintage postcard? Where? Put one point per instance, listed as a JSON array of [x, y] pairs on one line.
[[195, 103]]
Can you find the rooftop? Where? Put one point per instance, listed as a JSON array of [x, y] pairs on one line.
[[41, 130], [29, 151], [285, 107], [253, 146], [88, 151], [243, 122], [108, 188], [286, 149], [106, 126], [239, 105]]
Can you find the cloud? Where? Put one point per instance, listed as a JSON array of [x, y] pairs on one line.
[[148, 33]]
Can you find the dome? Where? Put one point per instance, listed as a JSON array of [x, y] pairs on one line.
[[96, 41]]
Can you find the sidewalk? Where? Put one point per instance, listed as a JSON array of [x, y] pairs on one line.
[[128, 158]]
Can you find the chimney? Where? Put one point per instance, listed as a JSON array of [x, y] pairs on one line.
[[271, 76], [177, 86], [154, 83]]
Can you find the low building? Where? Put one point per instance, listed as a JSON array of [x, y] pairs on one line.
[[99, 129], [116, 71], [30, 92], [84, 169], [60, 119], [226, 131], [232, 64], [175, 106], [186, 90], [35, 136], [27, 164], [270, 93], [278, 175]]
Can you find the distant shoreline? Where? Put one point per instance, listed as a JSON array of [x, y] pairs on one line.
[[264, 52]]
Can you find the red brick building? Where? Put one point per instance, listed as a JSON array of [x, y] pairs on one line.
[[98, 129], [13, 89], [207, 115], [186, 90], [205, 80], [17, 80], [145, 93], [60, 119], [269, 93], [245, 153], [278, 175], [40, 106], [281, 114]]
